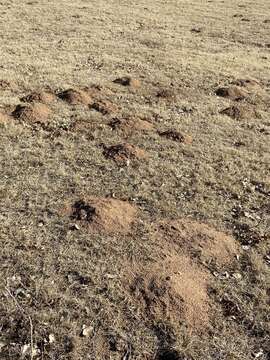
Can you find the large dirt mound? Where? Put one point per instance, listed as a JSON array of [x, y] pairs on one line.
[[104, 214], [32, 113], [45, 97], [127, 126], [175, 135], [199, 239], [172, 289], [76, 96]]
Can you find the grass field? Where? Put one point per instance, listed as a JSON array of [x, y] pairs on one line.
[[135, 179]]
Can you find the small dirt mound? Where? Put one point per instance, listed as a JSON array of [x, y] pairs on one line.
[[101, 214], [232, 92], [176, 136], [128, 81], [240, 112], [44, 97], [247, 83], [173, 289], [122, 154], [33, 113], [76, 97], [130, 125], [201, 239], [104, 107]]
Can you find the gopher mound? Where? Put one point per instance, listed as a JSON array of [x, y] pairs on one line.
[[130, 125], [33, 113], [76, 97], [122, 154], [173, 290], [240, 112], [232, 92], [176, 136], [247, 83], [128, 81], [44, 97], [101, 214], [199, 240], [104, 107]]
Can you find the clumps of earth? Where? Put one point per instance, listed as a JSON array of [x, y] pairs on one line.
[[130, 125], [240, 112], [103, 214], [232, 92], [75, 96], [128, 81], [124, 153], [44, 97], [175, 135], [104, 107], [32, 113]]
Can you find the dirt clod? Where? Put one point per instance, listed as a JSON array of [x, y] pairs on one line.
[[240, 112], [104, 214], [128, 81], [104, 107], [130, 125], [122, 154], [44, 97], [176, 136], [33, 113], [76, 97], [232, 92]]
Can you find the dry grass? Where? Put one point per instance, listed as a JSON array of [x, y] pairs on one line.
[[56, 277]]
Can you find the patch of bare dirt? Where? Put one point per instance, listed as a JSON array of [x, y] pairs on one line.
[[200, 240], [176, 136], [104, 214], [128, 81], [44, 97], [76, 97], [122, 154], [173, 289], [33, 113], [240, 112], [104, 107], [247, 83], [232, 92], [131, 125]]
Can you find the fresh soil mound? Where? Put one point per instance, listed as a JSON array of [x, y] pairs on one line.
[[232, 92], [130, 125], [76, 97], [247, 83], [44, 97], [240, 112], [172, 289], [128, 81], [176, 136], [33, 113], [122, 154], [101, 214], [104, 107], [199, 239]]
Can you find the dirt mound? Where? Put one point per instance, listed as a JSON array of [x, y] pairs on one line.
[[76, 97], [130, 125], [122, 154], [240, 112], [232, 92], [104, 107], [101, 214], [33, 113], [247, 83], [45, 97], [176, 136], [128, 81], [173, 290], [200, 240]]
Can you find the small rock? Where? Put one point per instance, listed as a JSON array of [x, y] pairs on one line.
[[237, 276], [51, 338], [87, 330]]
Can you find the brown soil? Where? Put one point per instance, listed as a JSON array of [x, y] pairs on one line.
[[199, 239], [76, 97], [45, 97], [240, 112], [128, 81], [105, 107], [232, 92], [172, 289], [104, 214], [4, 118], [33, 113], [124, 153], [130, 125], [176, 136], [247, 83]]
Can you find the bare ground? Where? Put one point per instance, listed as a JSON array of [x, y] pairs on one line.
[[163, 254]]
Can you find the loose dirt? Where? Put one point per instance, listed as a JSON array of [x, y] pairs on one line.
[[240, 112], [44, 97], [76, 96], [32, 113], [104, 107], [232, 92], [128, 126], [176, 136], [128, 81], [124, 153]]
